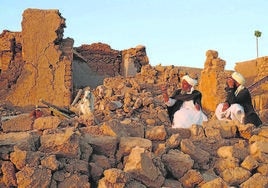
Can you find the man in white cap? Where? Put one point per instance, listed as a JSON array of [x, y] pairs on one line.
[[184, 106], [238, 104]]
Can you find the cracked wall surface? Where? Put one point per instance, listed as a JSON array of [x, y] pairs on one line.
[[257, 71], [213, 82], [47, 71], [11, 61]]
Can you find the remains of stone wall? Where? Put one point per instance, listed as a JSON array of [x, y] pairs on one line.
[[133, 59], [262, 71], [132, 144], [213, 81], [47, 72], [11, 62], [249, 74], [258, 70], [101, 58], [108, 62]]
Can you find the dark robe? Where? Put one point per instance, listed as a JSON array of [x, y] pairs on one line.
[[244, 99], [196, 96]]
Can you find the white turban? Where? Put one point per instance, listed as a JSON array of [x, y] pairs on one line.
[[239, 78], [190, 80]]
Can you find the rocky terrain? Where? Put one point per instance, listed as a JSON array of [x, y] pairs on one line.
[[127, 140]]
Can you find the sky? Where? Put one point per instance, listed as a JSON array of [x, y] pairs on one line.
[[174, 32]]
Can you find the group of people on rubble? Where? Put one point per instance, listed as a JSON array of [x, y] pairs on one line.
[[185, 109]]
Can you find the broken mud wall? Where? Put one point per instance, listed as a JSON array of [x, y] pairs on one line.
[[258, 70], [11, 62], [47, 72], [101, 58], [250, 74], [84, 76], [212, 82], [37, 62], [214, 75], [132, 144], [133, 59], [103, 62]]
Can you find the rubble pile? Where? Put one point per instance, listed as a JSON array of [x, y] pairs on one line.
[[129, 143]]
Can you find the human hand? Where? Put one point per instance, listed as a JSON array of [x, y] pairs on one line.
[[225, 106], [164, 93], [197, 107]]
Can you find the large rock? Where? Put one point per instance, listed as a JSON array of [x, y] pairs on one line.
[[23, 140], [128, 143], [192, 178], [259, 147], [225, 128], [222, 164], [218, 182], [200, 156], [75, 181], [25, 158], [17, 124], [64, 143], [102, 145], [235, 176], [114, 128], [102, 161], [157, 133], [50, 162], [263, 169], [172, 183], [49, 122], [238, 150], [30, 177], [177, 163], [8, 171], [141, 167], [114, 177], [249, 163], [257, 180]]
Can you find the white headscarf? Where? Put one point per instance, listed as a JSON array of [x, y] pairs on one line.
[[241, 80], [190, 80]]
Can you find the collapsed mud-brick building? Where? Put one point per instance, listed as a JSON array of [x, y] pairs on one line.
[[213, 81], [92, 63], [38, 63]]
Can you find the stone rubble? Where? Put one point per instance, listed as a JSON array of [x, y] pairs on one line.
[[131, 144], [127, 141]]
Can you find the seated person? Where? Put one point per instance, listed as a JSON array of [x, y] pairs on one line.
[[184, 106], [238, 104]]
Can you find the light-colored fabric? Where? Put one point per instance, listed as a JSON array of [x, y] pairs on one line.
[[234, 112], [86, 105], [239, 78], [170, 102], [239, 89], [190, 80], [188, 115]]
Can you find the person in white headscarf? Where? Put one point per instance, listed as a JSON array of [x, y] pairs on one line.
[[184, 106], [238, 103]]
